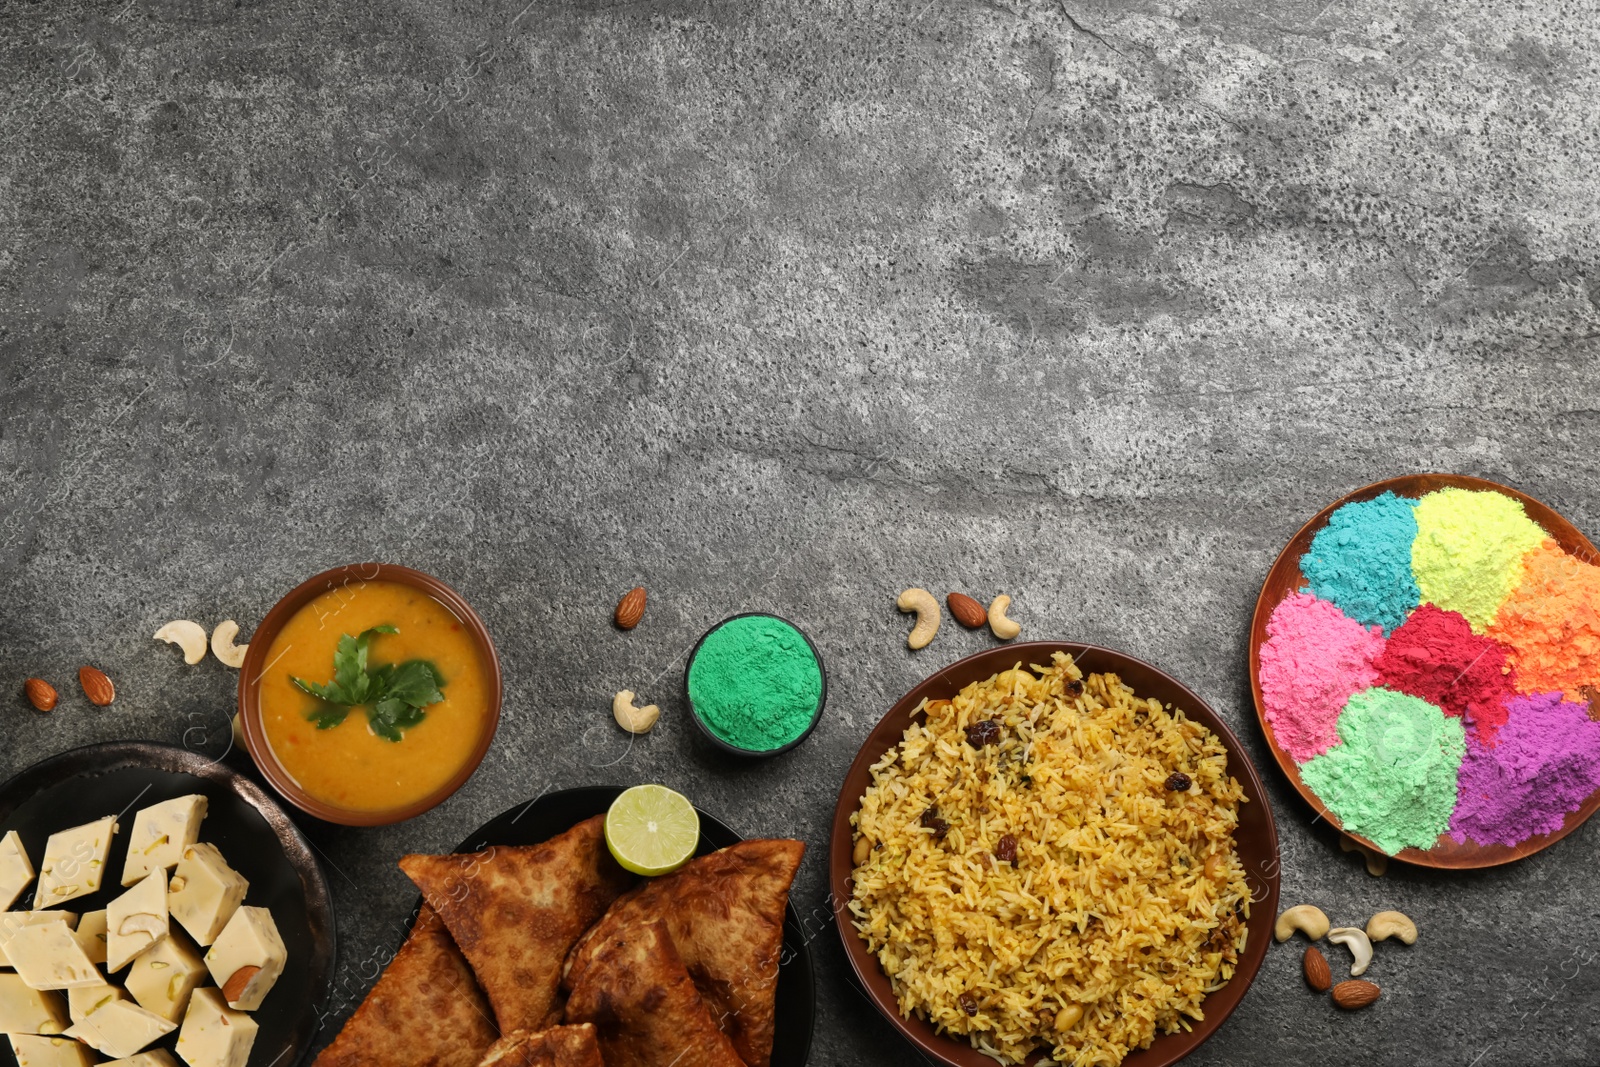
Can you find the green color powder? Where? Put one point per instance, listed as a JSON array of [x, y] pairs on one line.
[[755, 682], [1392, 777], [1468, 553]]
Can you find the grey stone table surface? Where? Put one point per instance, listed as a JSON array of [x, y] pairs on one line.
[[789, 306]]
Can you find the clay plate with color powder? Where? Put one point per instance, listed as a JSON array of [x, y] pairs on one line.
[[1285, 578]]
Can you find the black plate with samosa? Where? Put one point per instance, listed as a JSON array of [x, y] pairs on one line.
[[794, 1007]]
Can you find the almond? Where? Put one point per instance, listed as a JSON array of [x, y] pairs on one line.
[[967, 611], [630, 609], [40, 693], [1354, 994], [1319, 975], [233, 989], [96, 686]]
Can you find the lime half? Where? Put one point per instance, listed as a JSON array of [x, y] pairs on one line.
[[651, 830]]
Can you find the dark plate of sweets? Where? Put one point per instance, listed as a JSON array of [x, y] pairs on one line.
[[255, 835]]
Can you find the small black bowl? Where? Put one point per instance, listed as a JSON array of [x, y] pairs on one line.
[[816, 716]]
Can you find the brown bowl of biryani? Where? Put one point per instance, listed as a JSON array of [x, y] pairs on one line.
[[1028, 811]]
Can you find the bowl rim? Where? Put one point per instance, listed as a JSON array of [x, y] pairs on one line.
[[755, 753], [266, 632], [1166, 1049], [1284, 574]]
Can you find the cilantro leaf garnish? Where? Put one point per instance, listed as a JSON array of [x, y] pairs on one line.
[[328, 716], [394, 695], [415, 682], [409, 688]]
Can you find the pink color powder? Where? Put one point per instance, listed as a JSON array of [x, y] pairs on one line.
[[1314, 658], [1546, 764]]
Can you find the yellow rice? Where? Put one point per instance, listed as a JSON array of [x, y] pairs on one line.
[[1126, 898]]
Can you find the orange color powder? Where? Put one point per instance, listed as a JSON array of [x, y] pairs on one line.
[[1550, 624]]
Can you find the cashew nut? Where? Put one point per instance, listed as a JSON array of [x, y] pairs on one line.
[[222, 645], [186, 635], [1307, 918], [927, 608], [1387, 924], [1377, 862], [632, 719], [1005, 629], [151, 926], [1356, 941]]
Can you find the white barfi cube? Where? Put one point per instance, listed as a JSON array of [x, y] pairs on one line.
[[205, 891], [48, 956], [162, 977], [156, 1057], [160, 834], [91, 934], [213, 1034], [136, 920], [82, 1002], [12, 921], [16, 870], [249, 941], [74, 862], [30, 1011], [32, 1051], [120, 1028]]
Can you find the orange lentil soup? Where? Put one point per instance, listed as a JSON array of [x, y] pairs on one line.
[[349, 766]]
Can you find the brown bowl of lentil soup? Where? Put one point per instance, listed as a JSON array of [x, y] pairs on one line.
[[338, 760], [1254, 837]]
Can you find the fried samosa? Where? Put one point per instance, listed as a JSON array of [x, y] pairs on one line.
[[640, 998], [559, 1046], [425, 1011], [724, 913], [516, 911]]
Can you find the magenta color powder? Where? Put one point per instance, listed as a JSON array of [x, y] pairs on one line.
[[1546, 764], [1314, 658]]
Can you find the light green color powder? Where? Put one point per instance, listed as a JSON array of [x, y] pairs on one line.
[[1468, 553], [755, 682], [1392, 777]]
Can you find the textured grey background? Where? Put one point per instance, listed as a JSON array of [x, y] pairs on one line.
[[789, 306]]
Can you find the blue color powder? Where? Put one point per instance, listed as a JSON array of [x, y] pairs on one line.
[[1361, 560]]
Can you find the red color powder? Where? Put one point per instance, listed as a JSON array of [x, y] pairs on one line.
[[1435, 655]]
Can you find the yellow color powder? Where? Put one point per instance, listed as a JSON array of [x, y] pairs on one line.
[[1551, 624], [1468, 553]]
